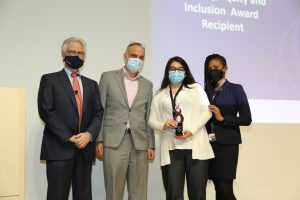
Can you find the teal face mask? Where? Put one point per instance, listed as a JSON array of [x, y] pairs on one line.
[[134, 64], [176, 77]]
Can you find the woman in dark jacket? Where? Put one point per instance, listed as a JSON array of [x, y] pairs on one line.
[[230, 108]]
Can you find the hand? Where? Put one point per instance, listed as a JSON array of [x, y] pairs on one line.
[[82, 139], [217, 112], [170, 123], [72, 139], [151, 154], [186, 134], [99, 150]]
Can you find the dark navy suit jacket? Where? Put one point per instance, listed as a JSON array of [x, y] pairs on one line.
[[58, 109], [233, 104]]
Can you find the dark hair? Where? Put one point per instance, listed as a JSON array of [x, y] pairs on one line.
[[189, 79], [208, 86]]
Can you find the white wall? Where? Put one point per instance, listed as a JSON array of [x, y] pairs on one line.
[[31, 33]]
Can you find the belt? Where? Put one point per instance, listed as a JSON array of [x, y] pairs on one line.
[[128, 131]]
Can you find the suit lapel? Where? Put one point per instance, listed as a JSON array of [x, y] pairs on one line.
[[63, 78], [140, 88], [120, 81], [85, 94]]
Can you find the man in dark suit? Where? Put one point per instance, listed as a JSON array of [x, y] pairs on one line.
[[70, 106]]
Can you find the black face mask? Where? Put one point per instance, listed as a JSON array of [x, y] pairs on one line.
[[74, 62], [216, 75]]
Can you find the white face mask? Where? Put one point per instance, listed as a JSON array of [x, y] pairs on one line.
[[134, 64]]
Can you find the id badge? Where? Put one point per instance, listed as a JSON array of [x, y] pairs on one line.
[[212, 137]]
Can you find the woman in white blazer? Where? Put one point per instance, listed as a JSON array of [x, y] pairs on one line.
[[179, 112]]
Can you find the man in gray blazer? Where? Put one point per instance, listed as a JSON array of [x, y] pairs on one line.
[[126, 143]]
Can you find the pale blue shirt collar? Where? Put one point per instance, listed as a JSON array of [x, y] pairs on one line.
[[69, 72]]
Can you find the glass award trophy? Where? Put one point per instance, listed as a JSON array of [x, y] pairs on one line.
[[178, 117]]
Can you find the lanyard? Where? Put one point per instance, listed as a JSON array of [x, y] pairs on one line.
[[173, 99], [214, 98]]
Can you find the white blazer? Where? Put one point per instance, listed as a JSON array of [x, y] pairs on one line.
[[194, 105]]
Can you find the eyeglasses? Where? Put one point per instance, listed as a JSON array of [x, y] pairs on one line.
[[173, 69], [75, 53]]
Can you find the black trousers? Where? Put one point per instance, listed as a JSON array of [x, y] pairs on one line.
[[61, 173], [183, 166]]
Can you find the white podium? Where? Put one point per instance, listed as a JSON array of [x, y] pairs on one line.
[[12, 143]]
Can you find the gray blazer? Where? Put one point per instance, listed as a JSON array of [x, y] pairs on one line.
[[117, 111]]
